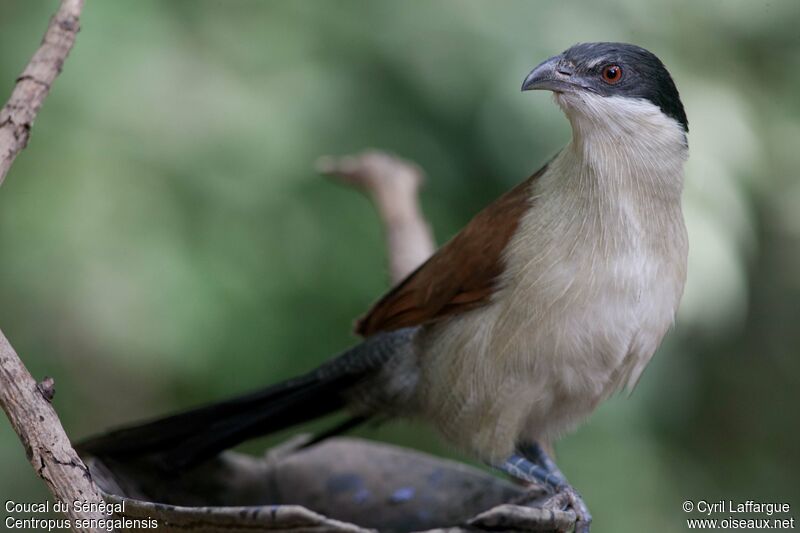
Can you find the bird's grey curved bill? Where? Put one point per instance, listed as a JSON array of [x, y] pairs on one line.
[[552, 75]]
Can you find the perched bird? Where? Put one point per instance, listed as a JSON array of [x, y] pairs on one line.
[[549, 301]]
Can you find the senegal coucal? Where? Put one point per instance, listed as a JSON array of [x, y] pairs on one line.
[[550, 300]]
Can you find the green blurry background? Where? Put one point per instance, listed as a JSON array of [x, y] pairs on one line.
[[165, 241]]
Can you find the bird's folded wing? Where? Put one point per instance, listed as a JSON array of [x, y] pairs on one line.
[[460, 276]]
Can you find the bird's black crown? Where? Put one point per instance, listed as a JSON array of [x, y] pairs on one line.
[[643, 75]]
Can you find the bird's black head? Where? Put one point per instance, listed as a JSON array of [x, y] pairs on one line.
[[611, 69]]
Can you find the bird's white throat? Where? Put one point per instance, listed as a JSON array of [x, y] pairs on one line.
[[629, 139]]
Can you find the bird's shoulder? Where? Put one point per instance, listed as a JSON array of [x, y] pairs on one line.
[[461, 275]]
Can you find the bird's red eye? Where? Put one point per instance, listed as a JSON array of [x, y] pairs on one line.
[[612, 74]]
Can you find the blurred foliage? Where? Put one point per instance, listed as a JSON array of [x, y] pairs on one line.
[[165, 241]]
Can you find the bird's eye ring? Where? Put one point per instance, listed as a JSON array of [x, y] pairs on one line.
[[612, 74]]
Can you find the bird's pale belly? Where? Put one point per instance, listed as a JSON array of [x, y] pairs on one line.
[[508, 373]]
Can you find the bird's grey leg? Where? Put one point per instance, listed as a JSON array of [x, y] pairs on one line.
[[532, 464]]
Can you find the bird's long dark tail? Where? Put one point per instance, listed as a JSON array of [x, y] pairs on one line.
[[187, 438]]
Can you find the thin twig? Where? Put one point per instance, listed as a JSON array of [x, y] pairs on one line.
[[33, 85], [393, 185], [26, 403]]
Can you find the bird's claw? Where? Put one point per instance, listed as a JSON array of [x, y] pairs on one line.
[[534, 466], [566, 497]]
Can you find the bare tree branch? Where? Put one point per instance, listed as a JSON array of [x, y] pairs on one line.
[[33, 85], [26, 403], [393, 185]]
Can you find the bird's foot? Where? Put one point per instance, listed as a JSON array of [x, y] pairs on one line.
[[563, 498], [567, 498], [535, 466]]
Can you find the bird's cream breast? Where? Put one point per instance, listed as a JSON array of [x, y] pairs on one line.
[[568, 328]]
